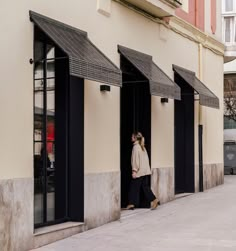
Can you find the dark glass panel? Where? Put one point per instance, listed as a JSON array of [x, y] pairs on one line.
[[38, 116], [51, 149], [38, 72], [51, 63], [39, 182], [51, 182]]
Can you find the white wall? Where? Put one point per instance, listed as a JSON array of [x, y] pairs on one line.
[[230, 67], [185, 5]]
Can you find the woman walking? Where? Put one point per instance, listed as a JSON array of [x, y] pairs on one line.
[[140, 172]]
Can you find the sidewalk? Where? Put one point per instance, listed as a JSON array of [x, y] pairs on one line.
[[200, 222]]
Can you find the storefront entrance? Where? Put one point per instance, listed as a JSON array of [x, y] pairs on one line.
[[184, 138], [135, 116], [58, 136]]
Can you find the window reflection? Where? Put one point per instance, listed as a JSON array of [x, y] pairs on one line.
[[44, 134]]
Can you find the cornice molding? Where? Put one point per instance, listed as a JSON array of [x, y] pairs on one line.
[[193, 33], [182, 28]]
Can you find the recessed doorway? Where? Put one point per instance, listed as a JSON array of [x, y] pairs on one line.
[[184, 138], [135, 116]]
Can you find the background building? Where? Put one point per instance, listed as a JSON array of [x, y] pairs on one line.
[[229, 28], [229, 39]]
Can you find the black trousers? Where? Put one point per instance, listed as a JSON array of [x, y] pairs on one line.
[[134, 190]]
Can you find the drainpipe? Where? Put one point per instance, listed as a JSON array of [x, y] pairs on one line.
[[200, 125]]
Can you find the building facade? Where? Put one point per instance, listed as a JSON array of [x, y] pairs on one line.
[[229, 39], [77, 79]]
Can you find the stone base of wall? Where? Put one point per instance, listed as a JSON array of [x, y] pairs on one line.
[[102, 205], [16, 214], [162, 183], [102, 198], [213, 175], [46, 235]]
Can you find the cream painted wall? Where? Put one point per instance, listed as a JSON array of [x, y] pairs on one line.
[[16, 89], [213, 118], [101, 129], [162, 133], [101, 110]]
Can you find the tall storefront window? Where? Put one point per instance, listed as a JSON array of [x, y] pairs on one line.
[[49, 196]]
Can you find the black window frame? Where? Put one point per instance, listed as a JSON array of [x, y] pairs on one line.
[[40, 36], [73, 115]]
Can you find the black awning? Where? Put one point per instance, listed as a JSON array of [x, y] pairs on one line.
[[85, 59], [160, 83], [206, 96]]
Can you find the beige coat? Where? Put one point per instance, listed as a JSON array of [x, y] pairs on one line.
[[140, 161]]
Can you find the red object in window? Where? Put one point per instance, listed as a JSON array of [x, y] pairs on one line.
[[50, 136]]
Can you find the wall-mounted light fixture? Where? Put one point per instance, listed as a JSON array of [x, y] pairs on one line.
[[164, 100], [105, 88]]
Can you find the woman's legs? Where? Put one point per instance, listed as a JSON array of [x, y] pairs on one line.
[[134, 191], [147, 190]]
